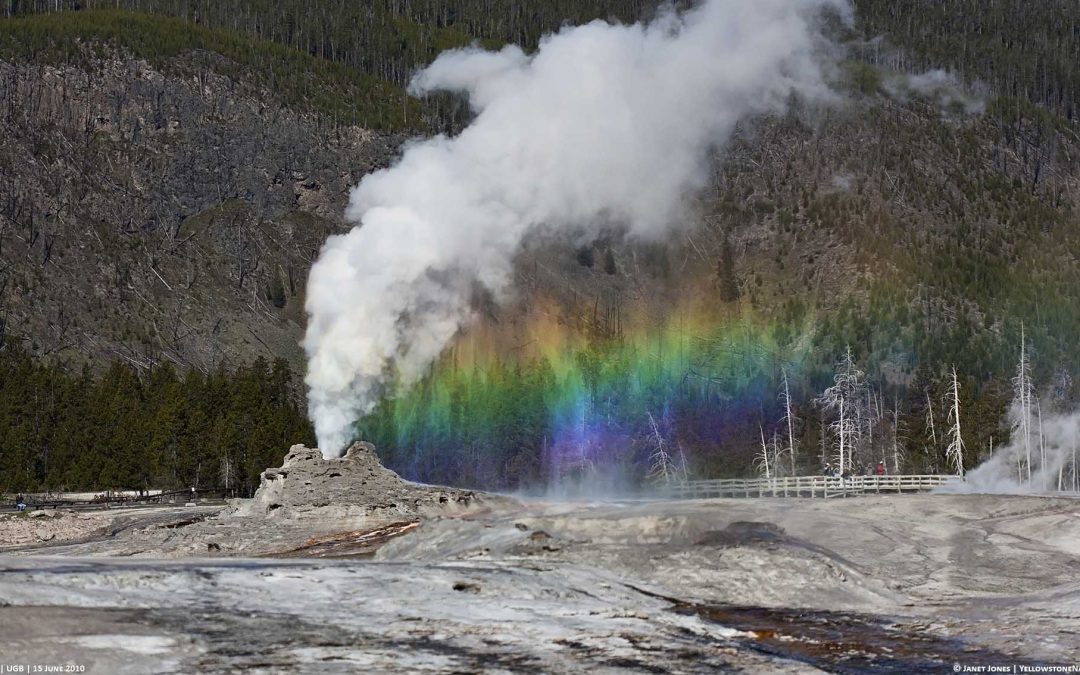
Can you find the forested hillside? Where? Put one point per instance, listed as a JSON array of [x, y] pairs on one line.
[[1026, 49], [296, 78], [1029, 50], [165, 187], [162, 195], [919, 241], [168, 177]]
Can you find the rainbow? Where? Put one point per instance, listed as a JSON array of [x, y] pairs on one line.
[[548, 400]]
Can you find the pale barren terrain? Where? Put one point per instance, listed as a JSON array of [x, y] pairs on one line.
[[377, 581]]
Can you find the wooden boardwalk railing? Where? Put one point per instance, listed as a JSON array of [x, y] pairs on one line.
[[806, 486], [108, 499]]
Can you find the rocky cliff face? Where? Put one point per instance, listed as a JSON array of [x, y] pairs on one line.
[[153, 216]]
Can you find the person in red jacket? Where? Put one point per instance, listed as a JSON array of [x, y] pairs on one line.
[[880, 470]]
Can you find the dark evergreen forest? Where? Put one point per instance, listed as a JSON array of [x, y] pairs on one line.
[[157, 429]]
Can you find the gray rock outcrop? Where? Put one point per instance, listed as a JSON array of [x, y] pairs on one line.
[[355, 485]]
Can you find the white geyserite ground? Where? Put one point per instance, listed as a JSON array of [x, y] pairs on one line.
[[564, 587]]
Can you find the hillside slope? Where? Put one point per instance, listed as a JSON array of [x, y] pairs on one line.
[[162, 207], [914, 238], [166, 187]]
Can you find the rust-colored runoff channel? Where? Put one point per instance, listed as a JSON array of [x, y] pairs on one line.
[[838, 642]]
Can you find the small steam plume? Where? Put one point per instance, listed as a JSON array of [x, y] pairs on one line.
[[940, 86], [603, 125], [1053, 457]]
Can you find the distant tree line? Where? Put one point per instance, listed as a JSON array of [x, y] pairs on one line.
[[160, 429], [1023, 48], [336, 90], [606, 409], [1028, 49]]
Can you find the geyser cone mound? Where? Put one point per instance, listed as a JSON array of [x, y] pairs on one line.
[[357, 484]]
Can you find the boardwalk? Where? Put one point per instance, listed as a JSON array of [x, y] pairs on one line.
[[807, 486], [111, 498]]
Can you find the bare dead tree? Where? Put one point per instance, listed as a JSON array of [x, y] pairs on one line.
[[955, 452], [1023, 393], [844, 398], [661, 467], [930, 424], [761, 460], [897, 454], [789, 420]]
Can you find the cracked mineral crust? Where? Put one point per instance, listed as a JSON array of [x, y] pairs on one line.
[[356, 485]]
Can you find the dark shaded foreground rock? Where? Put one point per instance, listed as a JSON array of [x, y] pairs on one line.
[[357, 485]]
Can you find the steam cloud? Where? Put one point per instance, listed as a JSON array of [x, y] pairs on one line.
[[1002, 472], [940, 86], [602, 124]]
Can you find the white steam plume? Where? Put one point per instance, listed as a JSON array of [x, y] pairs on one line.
[[1002, 473], [940, 86], [604, 123]]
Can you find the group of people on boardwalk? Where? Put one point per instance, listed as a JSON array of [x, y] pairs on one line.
[[838, 472]]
